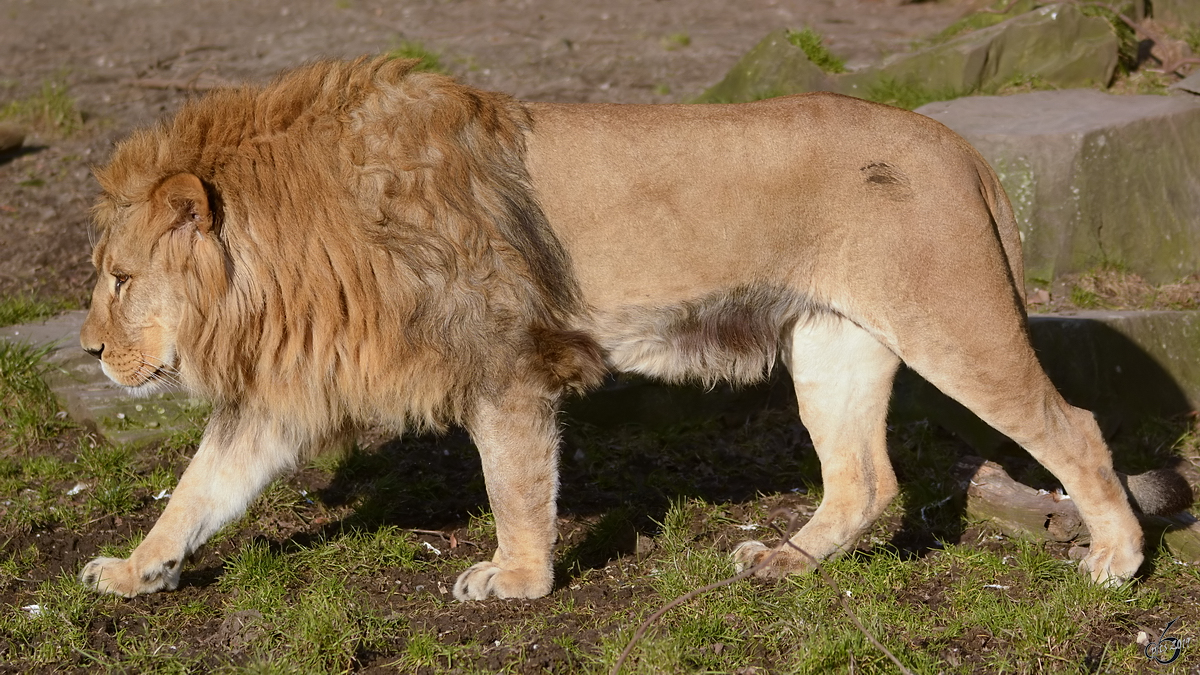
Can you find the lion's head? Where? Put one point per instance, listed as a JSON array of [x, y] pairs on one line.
[[145, 250], [350, 241]]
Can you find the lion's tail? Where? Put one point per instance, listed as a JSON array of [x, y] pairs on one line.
[[1005, 222], [1161, 492]]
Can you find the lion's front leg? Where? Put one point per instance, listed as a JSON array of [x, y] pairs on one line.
[[237, 458], [517, 437]]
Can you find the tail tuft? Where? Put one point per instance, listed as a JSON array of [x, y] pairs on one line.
[[1160, 492]]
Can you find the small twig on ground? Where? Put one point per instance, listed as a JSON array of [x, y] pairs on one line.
[[448, 537], [846, 606], [785, 535]]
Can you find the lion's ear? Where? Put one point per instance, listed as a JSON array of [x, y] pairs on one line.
[[183, 196]]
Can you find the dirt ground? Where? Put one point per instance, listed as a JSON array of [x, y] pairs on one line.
[[109, 53]]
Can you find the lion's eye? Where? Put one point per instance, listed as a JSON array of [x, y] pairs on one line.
[[119, 280]]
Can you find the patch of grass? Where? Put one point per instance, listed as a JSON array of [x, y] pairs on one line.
[[1143, 82], [52, 110], [977, 20], [814, 48], [26, 308], [429, 61], [1192, 37], [1019, 84], [676, 41], [1127, 40], [306, 618], [1113, 287], [908, 95], [28, 409]]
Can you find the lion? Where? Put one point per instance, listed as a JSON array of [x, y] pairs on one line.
[[358, 242]]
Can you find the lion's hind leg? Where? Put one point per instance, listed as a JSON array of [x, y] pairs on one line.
[[843, 378], [996, 374]]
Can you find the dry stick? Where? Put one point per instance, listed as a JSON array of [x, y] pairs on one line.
[[786, 536], [846, 606]]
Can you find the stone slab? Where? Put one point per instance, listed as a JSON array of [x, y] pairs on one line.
[[91, 399], [1189, 84], [1094, 178], [1056, 43]]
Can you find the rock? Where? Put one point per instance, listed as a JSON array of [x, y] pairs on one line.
[[1056, 43], [1190, 84], [91, 399], [11, 137], [1093, 178], [773, 67]]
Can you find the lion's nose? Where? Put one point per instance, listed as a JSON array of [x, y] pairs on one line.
[[95, 351]]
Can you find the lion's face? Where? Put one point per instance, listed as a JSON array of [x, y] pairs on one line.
[[133, 323]]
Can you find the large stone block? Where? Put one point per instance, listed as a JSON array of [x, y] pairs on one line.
[[1056, 43], [1093, 178]]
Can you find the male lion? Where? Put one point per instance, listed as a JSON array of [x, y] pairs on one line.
[[358, 242]]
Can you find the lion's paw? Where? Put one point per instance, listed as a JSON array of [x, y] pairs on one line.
[[119, 577], [487, 578], [1111, 565], [751, 553]]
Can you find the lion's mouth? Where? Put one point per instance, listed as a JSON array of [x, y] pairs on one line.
[[151, 374]]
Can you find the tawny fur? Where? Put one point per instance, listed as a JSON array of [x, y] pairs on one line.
[[357, 242]]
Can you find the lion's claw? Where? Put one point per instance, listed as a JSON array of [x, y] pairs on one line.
[[489, 579], [118, 576]]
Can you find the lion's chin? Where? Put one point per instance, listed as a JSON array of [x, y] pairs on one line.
[[145, 382]]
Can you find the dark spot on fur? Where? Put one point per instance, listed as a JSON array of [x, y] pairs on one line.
[[170, 564], [889, 179]]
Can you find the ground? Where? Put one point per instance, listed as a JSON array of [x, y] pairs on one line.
[[345, 565]]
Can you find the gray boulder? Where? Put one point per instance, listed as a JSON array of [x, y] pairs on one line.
[[1093, 178], [1056, 43], [773, 67]]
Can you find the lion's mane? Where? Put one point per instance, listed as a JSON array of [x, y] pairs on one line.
[[378, 252]]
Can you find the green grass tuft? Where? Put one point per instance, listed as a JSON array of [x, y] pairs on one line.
[[28, 409], [810, 41], [26, 308], [429, 61], [977, 20], [676, 41], [52, 110], [908, 95]]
